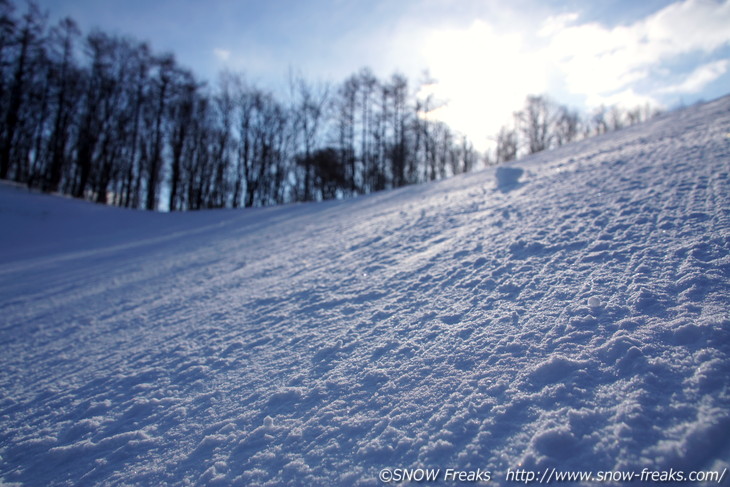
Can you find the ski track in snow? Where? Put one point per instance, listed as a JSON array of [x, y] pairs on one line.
[[570, 311]]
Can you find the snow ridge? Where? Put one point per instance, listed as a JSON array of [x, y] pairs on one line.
[[567, 311]]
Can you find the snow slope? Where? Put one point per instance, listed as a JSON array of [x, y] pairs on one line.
[[568, 311]]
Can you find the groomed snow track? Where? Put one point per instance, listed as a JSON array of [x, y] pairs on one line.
[[571, 313]]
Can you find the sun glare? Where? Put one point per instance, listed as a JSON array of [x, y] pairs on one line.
[[481, 76]]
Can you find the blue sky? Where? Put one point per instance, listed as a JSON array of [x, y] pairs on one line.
[[485, 55]]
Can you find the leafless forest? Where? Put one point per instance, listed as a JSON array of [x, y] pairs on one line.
[[106, 118]]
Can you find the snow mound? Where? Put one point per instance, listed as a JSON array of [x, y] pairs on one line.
[[579, 321], [508, 177]]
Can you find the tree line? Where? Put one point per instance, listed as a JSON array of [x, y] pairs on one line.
[[543, 124], [106, 118]]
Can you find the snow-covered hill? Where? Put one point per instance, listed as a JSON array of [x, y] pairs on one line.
[[569, 311]]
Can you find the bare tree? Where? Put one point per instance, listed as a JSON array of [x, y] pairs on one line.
[[344, 108], [506, 145], [566, 126], [27, 43], [224, 104], [598, 122], [399, 146], [65, 77], [164, 67], [615, 118], [182, 106], [371, 159], [535, 121], [308, 109]]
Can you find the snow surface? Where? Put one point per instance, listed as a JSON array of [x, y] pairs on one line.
[[569, 312]]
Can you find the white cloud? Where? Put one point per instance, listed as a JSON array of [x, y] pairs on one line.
[[596, 60], [485, 70], [554, 24], [222, 54], [700, 77], [627, 98], [687, 26]]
